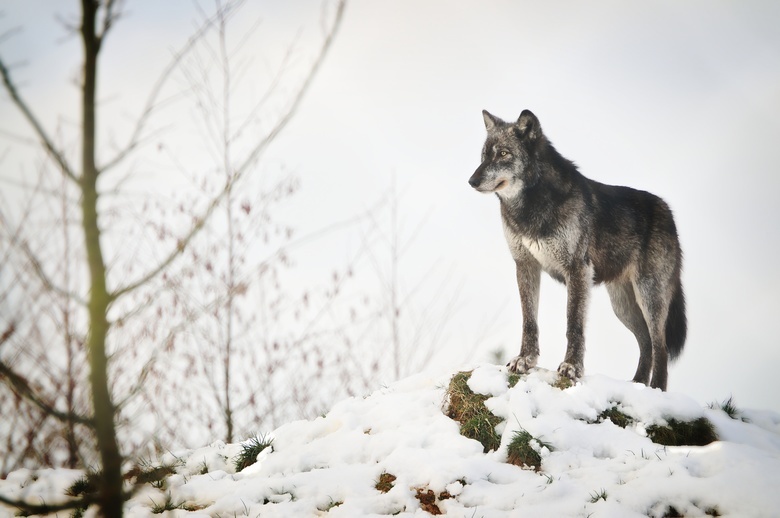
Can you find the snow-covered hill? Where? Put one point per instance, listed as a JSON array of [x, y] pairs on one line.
[[401, 436]]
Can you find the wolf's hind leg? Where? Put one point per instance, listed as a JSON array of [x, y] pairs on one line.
[[655, 307], [529, 275], [621, 294]]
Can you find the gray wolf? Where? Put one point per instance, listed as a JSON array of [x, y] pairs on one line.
[[582, 232]]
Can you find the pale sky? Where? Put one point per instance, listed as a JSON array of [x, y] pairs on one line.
[[678, 98]]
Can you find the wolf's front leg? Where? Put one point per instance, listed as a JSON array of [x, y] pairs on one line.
[[578, 288], [529, 274]]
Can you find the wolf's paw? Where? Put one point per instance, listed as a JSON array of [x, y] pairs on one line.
[[569, 370], [522, 364]]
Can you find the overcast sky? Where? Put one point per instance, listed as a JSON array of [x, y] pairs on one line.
[[678, 98]]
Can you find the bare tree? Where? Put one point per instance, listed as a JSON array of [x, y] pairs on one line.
[[93, 314], [414, 309]]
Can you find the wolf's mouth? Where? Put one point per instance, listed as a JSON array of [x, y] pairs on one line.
[[500, 185]]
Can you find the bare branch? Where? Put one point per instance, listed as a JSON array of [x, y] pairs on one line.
[[22, 387], [48, 144], [181, 246], [151, 100], [36, 264], [9, 33], [248, 161], [272, 88], [44, 509], [10, 330], [18, 138], [218, 301], [282, 123], [113, 12]]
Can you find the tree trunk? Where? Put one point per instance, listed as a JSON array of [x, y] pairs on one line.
[[110, 494]]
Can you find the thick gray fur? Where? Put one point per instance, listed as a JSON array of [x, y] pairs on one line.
[[582, 232]]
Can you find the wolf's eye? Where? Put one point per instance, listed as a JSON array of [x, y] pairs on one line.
[[503, 152]]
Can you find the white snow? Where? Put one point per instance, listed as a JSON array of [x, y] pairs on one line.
[[330, 465]]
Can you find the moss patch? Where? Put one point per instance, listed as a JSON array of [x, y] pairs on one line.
[[468, 408], [482, 428], [698, 432], [562, 383], [462, 403], [616, 416]]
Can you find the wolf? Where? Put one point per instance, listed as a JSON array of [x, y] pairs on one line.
[[582, 232]]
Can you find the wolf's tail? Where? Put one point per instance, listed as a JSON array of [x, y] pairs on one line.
[[676, 323]]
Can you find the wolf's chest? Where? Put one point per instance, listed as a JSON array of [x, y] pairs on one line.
[[552, 253], [546, 251]]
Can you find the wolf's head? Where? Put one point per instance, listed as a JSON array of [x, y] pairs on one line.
[[508, 156]]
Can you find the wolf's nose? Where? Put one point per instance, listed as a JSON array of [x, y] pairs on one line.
[[473, 181]]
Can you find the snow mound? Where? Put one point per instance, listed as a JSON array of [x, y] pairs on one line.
[[593, 467]]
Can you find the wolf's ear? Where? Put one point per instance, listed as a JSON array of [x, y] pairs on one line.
[[527, 126], [491, 121]]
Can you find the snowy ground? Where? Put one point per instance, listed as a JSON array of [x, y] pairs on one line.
[[331, 465]]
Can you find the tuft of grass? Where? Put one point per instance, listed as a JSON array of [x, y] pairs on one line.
[[385, 482], [672, 512], [512, 379], [616, 416], [250, 450], [468, 408], [598, 495], [729, 408], [86, 485], [669, 511], [521, 452], [698, 432], [168, 505]]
